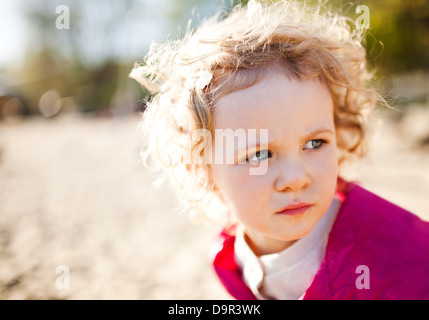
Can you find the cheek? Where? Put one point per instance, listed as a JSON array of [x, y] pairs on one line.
[[242, 191], [330, 165], [326, 173], [327, 163]]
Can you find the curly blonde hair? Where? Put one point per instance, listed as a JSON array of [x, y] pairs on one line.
[[227, 53]]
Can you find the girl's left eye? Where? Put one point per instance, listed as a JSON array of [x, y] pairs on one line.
[[314, 144]]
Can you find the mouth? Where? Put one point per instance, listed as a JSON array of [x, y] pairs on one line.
[[295, 209]]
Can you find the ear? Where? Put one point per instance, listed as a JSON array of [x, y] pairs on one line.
[[213, 186]]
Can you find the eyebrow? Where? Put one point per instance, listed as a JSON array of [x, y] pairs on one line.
[[318, 131]]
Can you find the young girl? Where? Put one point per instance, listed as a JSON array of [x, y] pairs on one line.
[[252, 117]]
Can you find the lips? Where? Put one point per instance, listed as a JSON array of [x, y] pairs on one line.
[[295, 209]]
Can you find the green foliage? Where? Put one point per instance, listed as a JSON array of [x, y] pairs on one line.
[[403, 28]]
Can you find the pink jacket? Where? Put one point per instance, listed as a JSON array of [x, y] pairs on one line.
[[371, 238]]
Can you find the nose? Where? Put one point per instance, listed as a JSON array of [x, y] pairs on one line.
[[293, 175]]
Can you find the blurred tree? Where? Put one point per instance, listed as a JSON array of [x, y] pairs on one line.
[[83, 61]]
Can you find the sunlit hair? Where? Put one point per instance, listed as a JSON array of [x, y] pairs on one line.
[[230, 52]]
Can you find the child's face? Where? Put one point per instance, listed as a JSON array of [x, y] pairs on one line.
[[301, 159]]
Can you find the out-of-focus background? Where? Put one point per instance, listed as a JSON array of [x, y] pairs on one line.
[[78, 216]]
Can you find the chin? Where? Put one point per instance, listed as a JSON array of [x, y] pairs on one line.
[[299, 229]]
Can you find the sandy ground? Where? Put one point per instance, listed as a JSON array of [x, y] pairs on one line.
[[73, 196]]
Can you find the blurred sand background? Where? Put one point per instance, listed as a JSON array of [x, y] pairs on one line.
[[73, 193]]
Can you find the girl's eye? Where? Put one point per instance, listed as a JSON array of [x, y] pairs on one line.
[[258, 156], [314, 144]]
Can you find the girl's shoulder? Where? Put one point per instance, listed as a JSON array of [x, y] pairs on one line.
[[376, 241], [365, 210]]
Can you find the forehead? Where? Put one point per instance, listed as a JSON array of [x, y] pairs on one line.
[[275, 100]]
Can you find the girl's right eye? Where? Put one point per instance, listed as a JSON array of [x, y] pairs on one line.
[[258, 157]]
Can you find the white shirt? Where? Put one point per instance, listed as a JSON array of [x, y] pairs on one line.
[[286, 275]]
